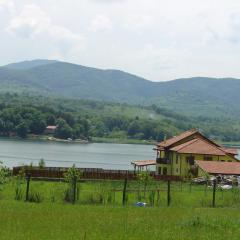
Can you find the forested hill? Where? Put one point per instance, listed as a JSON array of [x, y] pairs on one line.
[[197, 96], [24, 114]]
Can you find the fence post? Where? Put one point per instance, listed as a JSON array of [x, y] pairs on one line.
[[168, 193], [214, 192], [28, 183], [74, 188], [124, 190]]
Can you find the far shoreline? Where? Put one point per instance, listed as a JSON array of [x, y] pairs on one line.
[[44, 138]]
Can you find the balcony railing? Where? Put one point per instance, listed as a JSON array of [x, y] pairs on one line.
[[162, 161]]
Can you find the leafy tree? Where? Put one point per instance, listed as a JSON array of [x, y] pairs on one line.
[[72, 176], [4, 173], [41, 163], [63, 131], [134, 128], [22, 130], [37, 124]]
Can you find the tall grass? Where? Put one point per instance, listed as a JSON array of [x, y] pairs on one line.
[[110, 193]]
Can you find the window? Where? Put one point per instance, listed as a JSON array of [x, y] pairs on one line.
[[190, 159], [164, 171], [177, 160], [207, 158], [159, 170], [176, 170]]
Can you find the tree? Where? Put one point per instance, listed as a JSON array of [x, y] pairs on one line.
[[133, 128], [71, 177], [22, 130], [50, 119], [37, 124], [41, 163], [144, 178], [63, 131], [4, 173]]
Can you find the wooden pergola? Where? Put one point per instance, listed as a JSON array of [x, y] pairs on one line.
[[139, 165]]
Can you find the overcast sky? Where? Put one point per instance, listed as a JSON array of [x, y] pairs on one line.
[[156, 39]]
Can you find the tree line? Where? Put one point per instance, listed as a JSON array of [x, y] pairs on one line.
[[24, 120], [83, 119]]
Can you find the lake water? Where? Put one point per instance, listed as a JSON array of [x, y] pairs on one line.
[[56, 154]]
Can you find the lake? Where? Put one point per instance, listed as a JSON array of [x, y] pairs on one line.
[[58, 154]]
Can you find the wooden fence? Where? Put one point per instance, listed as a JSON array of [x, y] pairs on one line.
[[87, 173]]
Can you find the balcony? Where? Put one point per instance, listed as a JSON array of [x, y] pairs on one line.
[[162, 161]]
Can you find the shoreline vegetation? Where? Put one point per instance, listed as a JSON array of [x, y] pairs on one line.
[[46, 138], [49, 138]]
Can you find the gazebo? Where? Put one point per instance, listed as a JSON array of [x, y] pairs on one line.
[[140, 164]]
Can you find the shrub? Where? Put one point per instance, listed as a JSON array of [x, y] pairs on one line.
[[19, 181], [71, 177], [143, 178], [4, 174], [41, 163]]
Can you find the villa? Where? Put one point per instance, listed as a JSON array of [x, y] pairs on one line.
[[177, 156]]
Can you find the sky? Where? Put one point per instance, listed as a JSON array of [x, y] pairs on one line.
[[157, 39]]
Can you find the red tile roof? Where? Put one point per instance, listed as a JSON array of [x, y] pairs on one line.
[[225, 168], [176, 139], [51, 127], [169, 142], [232, 151], [199, 146]]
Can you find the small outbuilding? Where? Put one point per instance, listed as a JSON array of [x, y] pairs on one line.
[[218, 168], [50, 129], [141, 164]]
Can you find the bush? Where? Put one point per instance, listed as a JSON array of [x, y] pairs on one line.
[[41, 163], [72, 176], [19, 180], [4, 174]]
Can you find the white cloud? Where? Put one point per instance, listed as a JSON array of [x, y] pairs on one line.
[[34, 23], [157, 39], [108, 1], [7, 5], [100, 23]]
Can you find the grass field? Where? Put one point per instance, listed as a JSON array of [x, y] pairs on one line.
[[23, 221], [189, 216], [106, 192]]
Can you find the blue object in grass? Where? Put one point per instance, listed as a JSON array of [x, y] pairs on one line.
[[140, 204]]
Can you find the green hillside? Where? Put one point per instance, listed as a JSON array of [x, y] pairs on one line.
[[199, 96], [29, 64]]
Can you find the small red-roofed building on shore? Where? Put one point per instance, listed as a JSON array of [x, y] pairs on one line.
[[177, 156], [50, 129]]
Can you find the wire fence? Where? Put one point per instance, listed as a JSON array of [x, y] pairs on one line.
[[123, 193]]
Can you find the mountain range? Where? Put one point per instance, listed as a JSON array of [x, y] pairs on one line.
[[197, 96]]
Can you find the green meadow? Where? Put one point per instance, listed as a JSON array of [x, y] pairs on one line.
[[98, 212], [25, 221]]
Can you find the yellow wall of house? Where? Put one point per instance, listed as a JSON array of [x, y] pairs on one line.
[[179, 165]]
